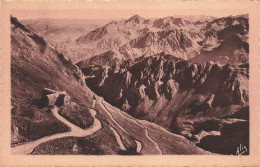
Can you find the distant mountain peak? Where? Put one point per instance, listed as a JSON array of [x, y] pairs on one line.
[[135, 19]]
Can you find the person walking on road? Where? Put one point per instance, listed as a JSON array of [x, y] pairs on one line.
[[94, 101]]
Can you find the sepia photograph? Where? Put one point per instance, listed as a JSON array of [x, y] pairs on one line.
[[166, 85], [129, 82]]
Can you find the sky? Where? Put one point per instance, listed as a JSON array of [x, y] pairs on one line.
[[116, 13]]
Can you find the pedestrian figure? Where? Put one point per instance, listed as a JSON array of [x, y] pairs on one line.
[[94, 101]]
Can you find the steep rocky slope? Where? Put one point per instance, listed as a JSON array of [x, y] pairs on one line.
[[54, 112], [176, 94]]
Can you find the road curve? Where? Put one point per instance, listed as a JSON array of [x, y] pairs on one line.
[[138, 146], [146, 133], [75, 132], [111, 116], [155, 143]]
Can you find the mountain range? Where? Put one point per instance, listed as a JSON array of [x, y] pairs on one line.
[[200, 41], [132, 86]]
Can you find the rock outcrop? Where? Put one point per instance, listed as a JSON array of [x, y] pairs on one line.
[[165, 85]]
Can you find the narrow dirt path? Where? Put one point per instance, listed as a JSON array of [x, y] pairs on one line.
[[146, 131], [155, 143], [112, 117], [118, 139], [75, 132]]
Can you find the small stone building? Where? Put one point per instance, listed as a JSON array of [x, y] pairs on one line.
[[51, 97]]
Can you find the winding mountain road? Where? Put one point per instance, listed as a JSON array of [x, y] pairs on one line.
[[111, 116], [146, 133], [147, 136], [78, 132], [75, 132]]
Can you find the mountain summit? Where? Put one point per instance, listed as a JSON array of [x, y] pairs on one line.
[[135, 19]]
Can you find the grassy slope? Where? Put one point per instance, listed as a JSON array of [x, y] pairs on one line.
[[78, 115]]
